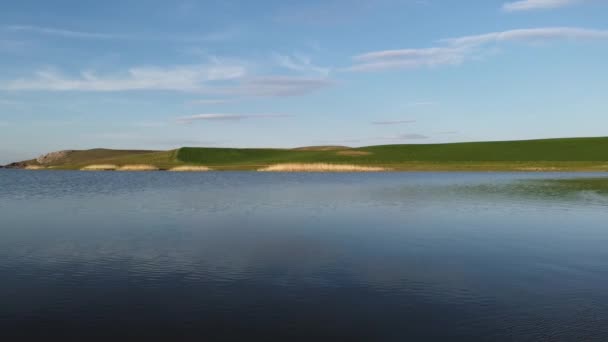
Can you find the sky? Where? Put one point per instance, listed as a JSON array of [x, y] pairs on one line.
[[151, 74]]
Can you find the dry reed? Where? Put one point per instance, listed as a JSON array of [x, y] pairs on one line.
[[100, 167], [320, 167], [190, 168]]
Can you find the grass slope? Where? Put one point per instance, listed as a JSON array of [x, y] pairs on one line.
[[80, 159], [531, 155], [576, 154]]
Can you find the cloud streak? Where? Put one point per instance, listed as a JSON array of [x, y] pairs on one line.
[[227, 117], [75, 34], [455, 51], [216, 79], [406, 136], [61, 32], [527, 5], [301, 64], [282, 86], [393, 122], [211, 101], [179, 78]]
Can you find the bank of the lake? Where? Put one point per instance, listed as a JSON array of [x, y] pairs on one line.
[[571, 154]]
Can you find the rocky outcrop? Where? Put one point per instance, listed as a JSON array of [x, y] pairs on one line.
[[17, 165], [53, 157]]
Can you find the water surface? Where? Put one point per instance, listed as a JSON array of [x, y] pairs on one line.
[[251, 256]]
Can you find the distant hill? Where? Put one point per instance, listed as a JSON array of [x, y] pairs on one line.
[[590, 154]]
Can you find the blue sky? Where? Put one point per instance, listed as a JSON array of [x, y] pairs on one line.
[[162, 74]]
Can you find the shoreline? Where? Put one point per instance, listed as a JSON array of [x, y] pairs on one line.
[[332, 169]]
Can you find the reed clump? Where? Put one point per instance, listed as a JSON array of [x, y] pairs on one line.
[[100, 167], [138, 167], [190, 168], [321, 167]]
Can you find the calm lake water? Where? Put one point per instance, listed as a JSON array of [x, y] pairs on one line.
[[340, 257]]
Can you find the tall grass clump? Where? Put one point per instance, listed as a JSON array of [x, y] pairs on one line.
[[100, 167], [320, 167], [190, 168], [138, 167]]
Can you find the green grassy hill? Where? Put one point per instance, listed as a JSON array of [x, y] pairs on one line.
[[590, 154], [558, 153]]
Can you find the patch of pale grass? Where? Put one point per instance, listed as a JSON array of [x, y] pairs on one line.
[[100, 167], [190, 168], [321, 167], [34, 167], [138, 167]]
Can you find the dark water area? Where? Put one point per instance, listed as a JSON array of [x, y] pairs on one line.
[[236, 256]]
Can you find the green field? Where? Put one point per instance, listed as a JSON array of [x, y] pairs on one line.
[[573, 154]]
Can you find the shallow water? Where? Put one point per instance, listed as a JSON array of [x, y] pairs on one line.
[[250, 256]]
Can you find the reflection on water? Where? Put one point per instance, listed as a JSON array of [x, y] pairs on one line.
[[245, 256]]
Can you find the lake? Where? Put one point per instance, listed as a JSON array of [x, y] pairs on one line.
[[341, 257]]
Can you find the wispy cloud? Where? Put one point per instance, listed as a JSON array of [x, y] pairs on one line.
[[62, 32], [211, 101], [78, 34], [408, 58], [534, 34], [227, 117], [393, 122], [527, 5], [455, 51], [179, 78], [221, 78], [281, 86], [406, 136], [301, 64]]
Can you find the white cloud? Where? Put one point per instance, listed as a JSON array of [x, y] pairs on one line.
[[393, 122], [269, 86], [406, 136], [227, 117], [211, 101], [409, 58], [177, 78], [221, 78], [76, 34], [301, 64], [455, 51], [527, 5], [535, 34], [61, 32]]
